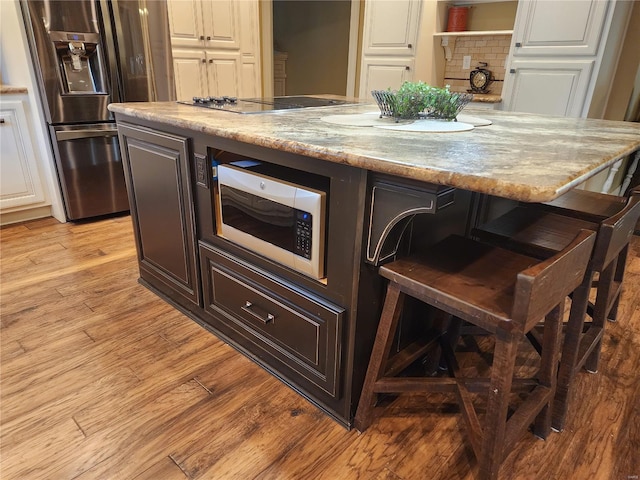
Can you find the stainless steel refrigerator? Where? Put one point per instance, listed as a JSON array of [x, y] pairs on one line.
[[87, 54]]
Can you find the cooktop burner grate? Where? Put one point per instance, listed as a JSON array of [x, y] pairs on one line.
[[260, 105]]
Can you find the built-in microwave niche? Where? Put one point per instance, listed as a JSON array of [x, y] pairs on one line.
[[274, 211]]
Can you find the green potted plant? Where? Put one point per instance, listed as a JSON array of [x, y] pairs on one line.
[[418, 100]]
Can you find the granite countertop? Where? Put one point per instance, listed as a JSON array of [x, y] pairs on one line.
[[520, 156], [486, 98], [11, 89]]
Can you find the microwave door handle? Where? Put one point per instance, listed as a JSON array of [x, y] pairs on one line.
[[86, 133]]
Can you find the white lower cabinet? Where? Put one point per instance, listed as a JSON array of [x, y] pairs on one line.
[[20, 183], [549, 87]]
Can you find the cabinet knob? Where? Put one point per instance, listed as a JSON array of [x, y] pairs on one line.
[[1, 121], [208, 37], [410, 46], [201, 37], [204, 60], [512, 70], [211, 60], [518, 44], [407, 67]]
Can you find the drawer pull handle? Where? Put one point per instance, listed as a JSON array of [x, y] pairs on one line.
[[257, 313]]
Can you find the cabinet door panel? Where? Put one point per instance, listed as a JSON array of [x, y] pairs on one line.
[[383, 73], [189, 70], [220, 23], [391, 27], [565, 27], [185, 23], [20, 181], [223, 72], [550, 88], [250, 80], [157, 175]]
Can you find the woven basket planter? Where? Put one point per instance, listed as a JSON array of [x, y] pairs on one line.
[[438, 104]]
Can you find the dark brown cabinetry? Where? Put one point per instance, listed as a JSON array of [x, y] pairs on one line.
[[158, 182], [314, 334], [298, 329]]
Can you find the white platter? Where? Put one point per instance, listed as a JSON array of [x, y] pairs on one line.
[[434, 126], [369, 119]]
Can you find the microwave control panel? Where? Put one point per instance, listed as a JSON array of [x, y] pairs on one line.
[[303, 234]]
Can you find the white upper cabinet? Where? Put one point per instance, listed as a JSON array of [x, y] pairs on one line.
[[221, 26], [185, 23], [391, 27], [559, 27]]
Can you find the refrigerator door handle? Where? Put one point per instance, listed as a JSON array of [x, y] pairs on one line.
[[84, 133]]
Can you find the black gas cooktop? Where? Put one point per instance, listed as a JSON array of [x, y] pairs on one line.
[[260, 105]]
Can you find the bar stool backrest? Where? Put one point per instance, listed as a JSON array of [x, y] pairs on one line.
[[615, 232], [541, 287]]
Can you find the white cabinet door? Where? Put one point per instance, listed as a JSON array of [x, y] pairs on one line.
[[391, 27], [223, 73], [383, 73], [20, 183], [548, 87], [190, 72], [220, 22], [559, 27], [185, 23], [249, 15]]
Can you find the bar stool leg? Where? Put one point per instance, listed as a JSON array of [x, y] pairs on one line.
[[618, 279], [605, 285], [548, 372], [570, 352], [381, 347], [495, 422]]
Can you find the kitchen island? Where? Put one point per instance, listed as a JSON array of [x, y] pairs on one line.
[[387, 191]]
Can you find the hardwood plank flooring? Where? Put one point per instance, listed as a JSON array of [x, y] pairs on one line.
[[101, 379]]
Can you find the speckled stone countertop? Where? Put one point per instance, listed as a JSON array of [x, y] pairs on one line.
[[486, 98], [11, 89], [520, 156]]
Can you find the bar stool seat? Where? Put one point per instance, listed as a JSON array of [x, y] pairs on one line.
[[538, 232], [502, 292], [586, 205]]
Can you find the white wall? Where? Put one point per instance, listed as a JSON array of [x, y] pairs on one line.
[[16, 70]]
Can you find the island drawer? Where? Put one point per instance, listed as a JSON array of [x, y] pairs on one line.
[[294, 327]]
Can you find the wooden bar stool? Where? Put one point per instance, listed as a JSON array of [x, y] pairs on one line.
[[505, 294], [539, 233], [594, 207]]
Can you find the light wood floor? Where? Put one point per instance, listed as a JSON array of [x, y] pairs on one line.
[[103, 380]]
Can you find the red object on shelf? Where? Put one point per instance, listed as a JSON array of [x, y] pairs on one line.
[[457, 21]]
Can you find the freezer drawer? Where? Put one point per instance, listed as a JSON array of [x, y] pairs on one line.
[[89, 169]]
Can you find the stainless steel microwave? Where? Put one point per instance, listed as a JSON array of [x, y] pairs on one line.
[[278, 219]]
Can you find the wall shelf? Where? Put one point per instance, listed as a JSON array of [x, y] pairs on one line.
[[473, 33], [448, 47]]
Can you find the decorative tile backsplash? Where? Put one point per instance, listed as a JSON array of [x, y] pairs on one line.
[[492, 49]]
